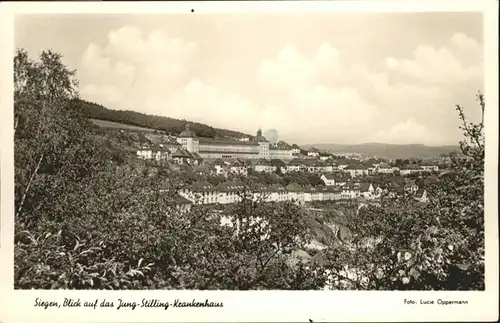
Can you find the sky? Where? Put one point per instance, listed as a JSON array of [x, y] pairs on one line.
[[344, 78]]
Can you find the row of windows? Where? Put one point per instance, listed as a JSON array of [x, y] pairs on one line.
[[229, 148]]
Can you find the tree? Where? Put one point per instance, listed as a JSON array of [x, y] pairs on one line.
[[87, 220], [404, 244]]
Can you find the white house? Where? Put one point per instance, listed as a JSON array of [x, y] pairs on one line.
[[238, 167], [430, 168], [328, 179], [264, 166], [156, 152], [385, 169], [342, 167], [313, 152], [410, 169], [356, 170], [350, 191], [421, 196]]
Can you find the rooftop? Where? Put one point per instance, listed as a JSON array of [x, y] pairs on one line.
[[226, 142], [187, 133]]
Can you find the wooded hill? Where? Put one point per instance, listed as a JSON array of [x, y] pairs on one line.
[[391, 151], [169, 125]]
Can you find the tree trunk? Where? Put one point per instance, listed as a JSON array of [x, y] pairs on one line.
[[19, 209]]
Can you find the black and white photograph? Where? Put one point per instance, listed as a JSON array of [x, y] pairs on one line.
[[286, 151]]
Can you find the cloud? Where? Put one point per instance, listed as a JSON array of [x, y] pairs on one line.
[[460, 61], [308, 95], [133, 65], [407, 132], [202, 102], [272, 135], [309, 102]]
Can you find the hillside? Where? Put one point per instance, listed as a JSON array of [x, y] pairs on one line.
[[391, 151], [137, 119]]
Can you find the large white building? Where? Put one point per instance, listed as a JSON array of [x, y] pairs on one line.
[[208, 148], [281, 150]]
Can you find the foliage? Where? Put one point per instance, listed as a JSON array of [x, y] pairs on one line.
[[404, 244], [168, 125], [87, 217]]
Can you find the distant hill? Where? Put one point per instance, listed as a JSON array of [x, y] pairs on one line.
[[391, 151], [137, 119]]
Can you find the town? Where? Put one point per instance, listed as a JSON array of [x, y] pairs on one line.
[[145, 159], [339, 178]]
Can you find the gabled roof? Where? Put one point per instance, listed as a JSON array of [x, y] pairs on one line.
[[330, 176], [181, 153], [277, 162], [219, 162], [296, 162], [294, 187], [196, 156], [364, 186], [202, 186], [181, 200], [169, 141], [263, 162], [277, 188], [225, 142], [230, 187]]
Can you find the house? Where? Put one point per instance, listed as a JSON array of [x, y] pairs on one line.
[[182, 204], [221, 167], [155, 152], [315, 166], [356, 170], [421, 196], [278, 163], [278, 193], [372, 169], [384, 168], [430, 167], [350, 191], [410, 186], [196, 159], [182, 156], [238, 167], [200, 192], [410, 169], [342, 167], [264, 166], [203, 170], [295, 165], [170, 143], [145, 152], [333, 193], [281, 150], [229, 192], [324, 156], [313, 152], [295, 193], [295, 150], [328, 179], [367, 190]]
